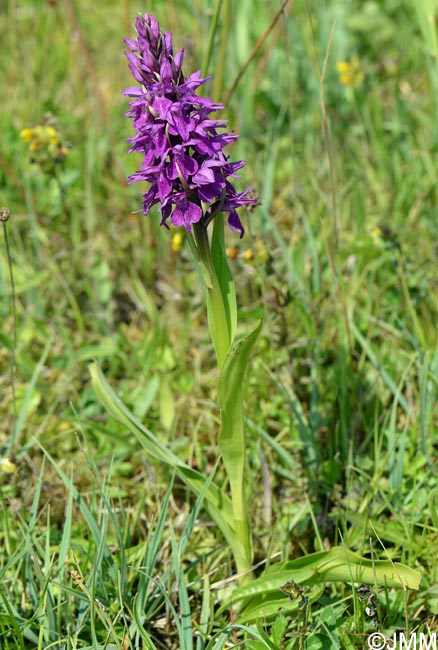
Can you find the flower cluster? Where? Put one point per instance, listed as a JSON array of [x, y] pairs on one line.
[[182, 146], [350, 72], [45, 145]]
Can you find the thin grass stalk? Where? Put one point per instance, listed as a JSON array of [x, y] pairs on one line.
[[331, 256], [223, 51], [212, 33], [253, 54], [4, 216]]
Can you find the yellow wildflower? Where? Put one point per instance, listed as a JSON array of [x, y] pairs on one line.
[[40, 137], [7, 466], [52, 135], [177, 242], [248, 255], [45, 145], [27, 135], [375, 232], [384, 236], [350, 72]]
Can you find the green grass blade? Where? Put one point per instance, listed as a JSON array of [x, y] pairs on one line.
[[12, 621], [206, 615], [380, 369], [305, 433], [155, 542], [185, 628], [28, 396]]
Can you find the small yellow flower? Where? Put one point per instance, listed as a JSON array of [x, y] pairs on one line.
[[350, 72], [384, 236], [177, 242], [52, 134], [376, 232], [248, 255], [27, 134], [7, 466]]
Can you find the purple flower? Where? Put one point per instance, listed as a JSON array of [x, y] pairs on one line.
[[182, 146]]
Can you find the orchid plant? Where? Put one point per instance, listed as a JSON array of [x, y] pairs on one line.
[[189, 180], [189, 177]]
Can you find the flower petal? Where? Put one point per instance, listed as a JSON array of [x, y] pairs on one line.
[[185, 214]]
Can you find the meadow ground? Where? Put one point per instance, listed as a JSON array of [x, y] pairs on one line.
[[101, 545]]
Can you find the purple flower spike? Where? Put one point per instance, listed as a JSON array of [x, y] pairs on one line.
[[181, 145]]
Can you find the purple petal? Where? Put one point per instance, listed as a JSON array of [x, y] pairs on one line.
[[206, 174], [164, 187], [162, 106], [235, 223], [133, 91], [131, 44], [166, 71], [153, 24], [185, 214], [178, 59], [209, 193], [167, 39]]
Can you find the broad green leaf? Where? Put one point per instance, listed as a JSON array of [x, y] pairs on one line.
[[217, 503], [221, 293], [106, 348], [232, 434], [217, 322], [270, 605], [337, 565]]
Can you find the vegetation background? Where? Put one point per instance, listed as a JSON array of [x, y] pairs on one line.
[[338, 120]]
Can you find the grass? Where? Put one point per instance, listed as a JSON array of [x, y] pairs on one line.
[[101, 546]]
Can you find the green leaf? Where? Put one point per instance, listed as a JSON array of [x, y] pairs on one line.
[[221, 295], [217, 504], [232, 433], [337, 565], [270, 604]]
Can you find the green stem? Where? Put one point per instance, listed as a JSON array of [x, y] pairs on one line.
[[232, 361], [243, 535], [4, 217], [217, 316]]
